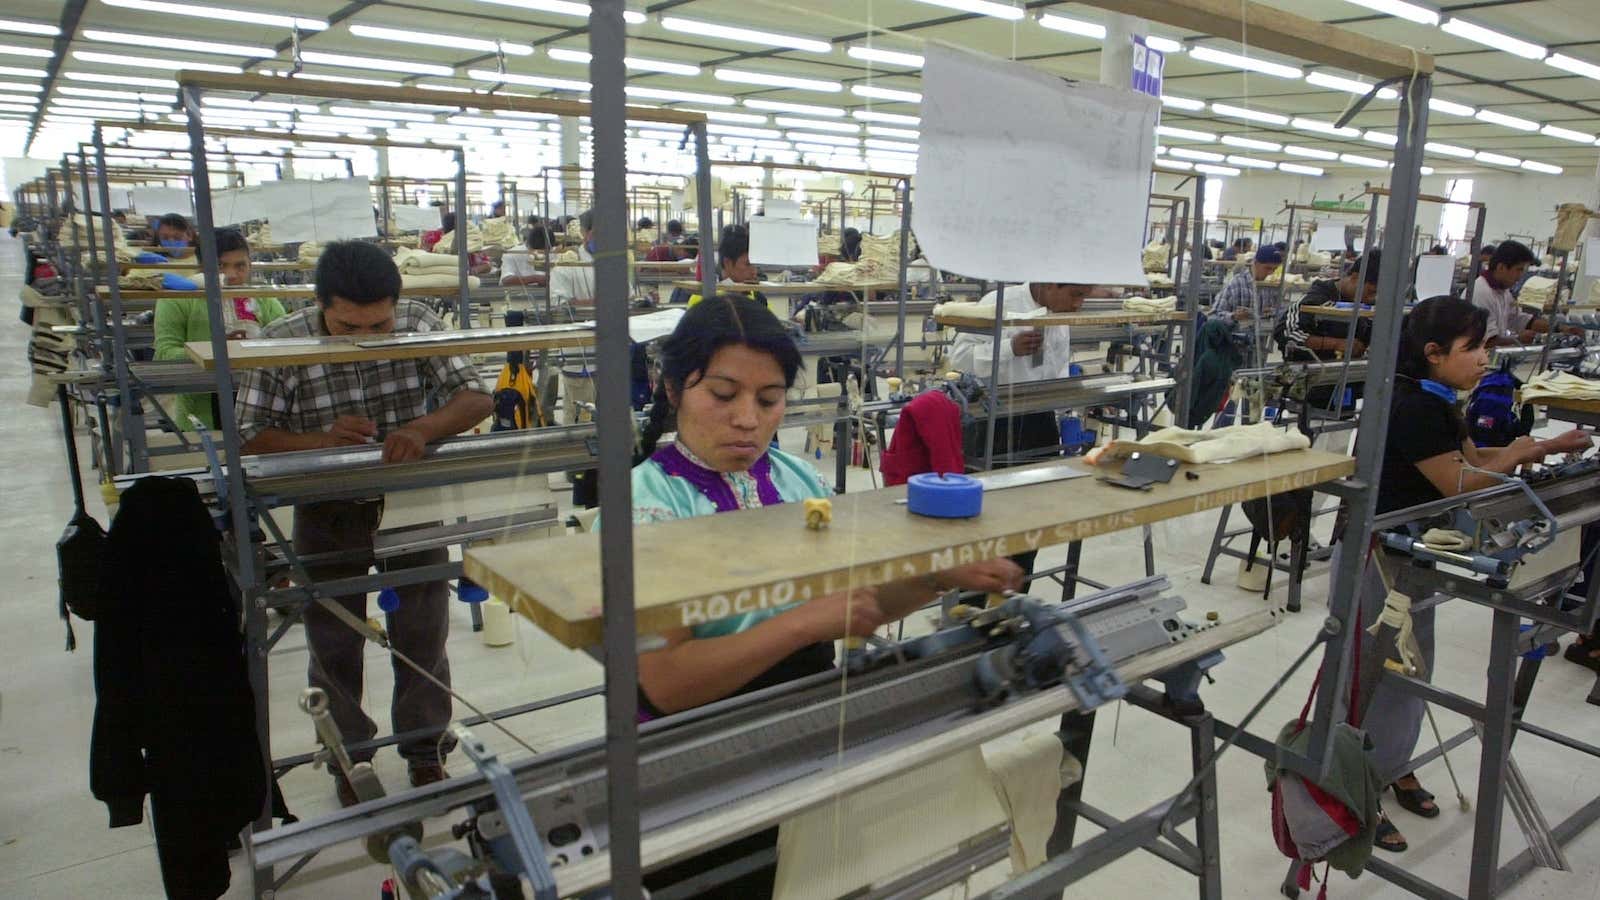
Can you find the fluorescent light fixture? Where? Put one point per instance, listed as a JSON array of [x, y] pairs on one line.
[[1574, 65], [841, 127], [1235, 61], [1216, 170], [743, 35], [344, 79], [634, 90], [1298, 169], [881, 144], [539, 81], [1546, 168], [166, 43], [815, 148], [1367, 161], [79, 102], [1498, 118], [980, 7], [745, 76], [741, 131], [1182, 103], [1239, 112], [717, 115], [804, 109], [21, 86], [1488, 37], [1250, 162], [867, 115], [404, 66], [150, 62], [1164, 45], [17, 26], [567, 54], [887, 57], [566, 8], [1567, 134], [17, 107], [1185, 134], [1201, 155], [1498, 159], [832, 139], [433, 39], [1178, 164], [1073, 26], [34, 52], [1451, 108], [1251, 143], [123, 80], [1340, 83], [361, 112], [20, 72], [27, 99], [1401, 9], [1380, 137], [1448, 150], [237, 16], [1321, 127], [878, 93], [168, 99], [905, 133]]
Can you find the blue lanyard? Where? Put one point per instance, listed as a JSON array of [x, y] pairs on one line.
[[1442, 391]]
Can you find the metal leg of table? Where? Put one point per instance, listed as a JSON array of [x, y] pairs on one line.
[[1217, 540], [1498, 726], [1077, 731], [1069, 583], [1202, 746]]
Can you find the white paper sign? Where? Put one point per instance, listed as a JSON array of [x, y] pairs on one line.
[[158, 201], [119, 198], [780, 209], [322, 210], [1435, 275], [415, 218], [1025, 177], [1591, 257], [1329, 236], [235, 206], [783, 242]]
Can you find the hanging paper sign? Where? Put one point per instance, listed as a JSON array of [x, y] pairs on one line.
[[1148, 66]]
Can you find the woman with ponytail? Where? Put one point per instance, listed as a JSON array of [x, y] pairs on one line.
[[1428, 457]]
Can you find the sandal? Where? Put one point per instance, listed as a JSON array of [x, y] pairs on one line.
[[1415, 800], [1386, 831]]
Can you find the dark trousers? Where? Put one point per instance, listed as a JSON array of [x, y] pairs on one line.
[[418, 629], [1013, 434]]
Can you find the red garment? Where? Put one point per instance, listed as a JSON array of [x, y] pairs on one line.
[[429, 238], [928, 439], [660, 253]]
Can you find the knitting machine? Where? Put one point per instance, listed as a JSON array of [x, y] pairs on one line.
[[730, 769], [1512, 546]]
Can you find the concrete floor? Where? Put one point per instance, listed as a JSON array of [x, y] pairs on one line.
[[54, 842]]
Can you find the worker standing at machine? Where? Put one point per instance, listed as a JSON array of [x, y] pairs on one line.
[[180, 320], [1428, 457], [725, 374], [402, 405]]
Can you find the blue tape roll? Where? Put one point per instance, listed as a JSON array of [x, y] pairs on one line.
[[469, 591], [388, 600], [944, 496]]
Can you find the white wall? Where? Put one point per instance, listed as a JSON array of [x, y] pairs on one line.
[[16, 171]]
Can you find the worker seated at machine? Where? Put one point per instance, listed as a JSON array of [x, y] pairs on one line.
[[173, 232], [733, 260], [1303, 336], [403, 405], [725, 374], [181, 320], [521, 268], [1508, 322], [1239, 295]]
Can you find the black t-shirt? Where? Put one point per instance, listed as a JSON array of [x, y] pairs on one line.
[[1421, 426]]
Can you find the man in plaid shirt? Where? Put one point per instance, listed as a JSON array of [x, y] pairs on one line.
[[404, 405]]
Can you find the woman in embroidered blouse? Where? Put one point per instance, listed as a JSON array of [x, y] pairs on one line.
[[725, 373]]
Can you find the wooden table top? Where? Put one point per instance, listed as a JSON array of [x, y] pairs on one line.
[[1119, 317], [787, 288], [685, 573], [269, 353]]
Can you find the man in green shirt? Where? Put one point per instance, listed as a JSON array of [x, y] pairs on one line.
[[180, 320]]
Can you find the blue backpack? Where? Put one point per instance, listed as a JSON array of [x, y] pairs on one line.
[[1493, 419]]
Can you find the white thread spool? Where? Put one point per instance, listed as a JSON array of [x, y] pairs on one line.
[[497, 628]]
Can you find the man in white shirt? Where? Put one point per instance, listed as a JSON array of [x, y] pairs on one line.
[[1508, 322], [521, 269], [570, 283]]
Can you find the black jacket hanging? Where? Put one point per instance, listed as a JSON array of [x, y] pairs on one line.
[[174, 717]]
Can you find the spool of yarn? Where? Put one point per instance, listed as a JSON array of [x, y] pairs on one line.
[[388, 600], [944, 495], [469, 591], [497, 628]]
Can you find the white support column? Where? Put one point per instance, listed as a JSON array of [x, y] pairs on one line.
[[1116, 55], [571, 156]]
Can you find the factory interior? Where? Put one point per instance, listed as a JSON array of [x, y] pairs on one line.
[[1155, 441]]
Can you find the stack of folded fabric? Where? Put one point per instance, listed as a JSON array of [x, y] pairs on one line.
[[310, 252], [498, 233], [866, 271], [420, 269], [1538, 291], [882, 250], [574, 230], [1152, 304], [827, 243], [47, 352], [447, 242], [1155, 256], [140, 281], [1564, 385], [261, 236], [1159, 280]]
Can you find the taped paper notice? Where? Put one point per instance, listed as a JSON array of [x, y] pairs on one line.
[[235, 206], [158, 201], [783, 242], [1329, 236], [120, 198], [1024, 177], [775, 208], [1435, 275], [1591, 257], [415, 218], [322, 210]]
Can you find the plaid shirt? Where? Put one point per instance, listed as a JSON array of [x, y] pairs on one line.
[[1238, 293], [392, 393]]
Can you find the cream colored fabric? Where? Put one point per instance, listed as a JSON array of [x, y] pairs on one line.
[[415, 280], [647, 236], [884, 251], [418, 262], [969, 309], [261, 236], [827, 244], [142, 281], [1216, 445], [864, 272], [1311, 257], [1027, 776], [1570, 220], [1560, 384], [500, 233], [310, 252], [1152, 304], [1538, 291], [575, 230], [447, 242], [1155, 256], [889, 828], [74, 231]]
